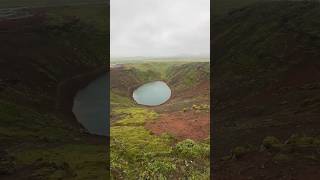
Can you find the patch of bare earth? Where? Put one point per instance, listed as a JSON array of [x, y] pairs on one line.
[[182, 125]]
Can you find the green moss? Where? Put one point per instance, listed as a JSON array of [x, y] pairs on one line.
[[83, 161], [136, 152], [38, 131], [188, 75], [133, 116], [190, 149], [160, 68], [138, 140], [271, 143], [131, 147], [201, 107], [303, 141], [119, 100]]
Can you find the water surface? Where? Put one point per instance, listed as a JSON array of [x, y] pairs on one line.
[[152, 94], [90, 106]]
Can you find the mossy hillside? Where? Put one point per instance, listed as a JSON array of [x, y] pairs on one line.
[[261, 64], [138, 154], [296, 147], [92, 14], [40, 140], [125, 80], [158, 67], [117, 100], [83, 161], [178, 75], [19, 122], [48, 142], [267, 51], [187, 75], [133, 116], [85, 26], [60, 46]]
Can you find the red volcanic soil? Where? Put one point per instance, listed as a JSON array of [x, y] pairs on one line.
[[182, 125]]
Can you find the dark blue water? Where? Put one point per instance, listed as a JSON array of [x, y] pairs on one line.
[[152, 94], [90, 107]]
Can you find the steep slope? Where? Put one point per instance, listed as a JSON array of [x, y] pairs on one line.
[[266, 83], [40, 53]]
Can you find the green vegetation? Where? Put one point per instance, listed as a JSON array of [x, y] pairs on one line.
[[136, 153], [35, 137], [75, 161], [188, 75], [159, 68], [51, 147], [201, 107], [190, 149], [271, 143], [91, 14], [133, 116], [295, 147], [262, 56], [119, 101], [262, 76]]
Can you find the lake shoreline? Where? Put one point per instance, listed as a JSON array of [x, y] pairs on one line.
[[68, 89]]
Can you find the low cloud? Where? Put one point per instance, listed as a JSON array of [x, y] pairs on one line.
[[160, 27]]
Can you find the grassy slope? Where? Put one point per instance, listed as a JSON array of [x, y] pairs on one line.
[[265, 74], [135, 152], [34, 138]]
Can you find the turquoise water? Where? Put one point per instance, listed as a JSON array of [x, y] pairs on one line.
[[90, 106], [152, 94]]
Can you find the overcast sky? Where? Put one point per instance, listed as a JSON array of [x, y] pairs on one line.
[[160, 28]]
